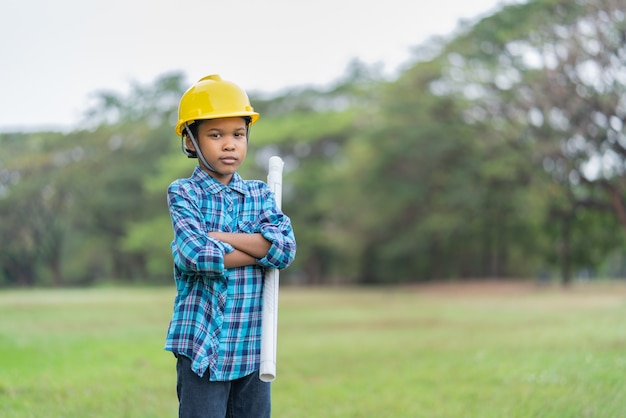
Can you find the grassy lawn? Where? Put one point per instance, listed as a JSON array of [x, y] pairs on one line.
[[449, 351]]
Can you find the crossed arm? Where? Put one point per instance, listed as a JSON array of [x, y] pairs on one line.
[[248, 248]]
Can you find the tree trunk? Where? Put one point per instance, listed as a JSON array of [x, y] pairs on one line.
[[566, 251]]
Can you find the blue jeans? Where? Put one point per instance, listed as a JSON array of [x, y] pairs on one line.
[[198, 397]]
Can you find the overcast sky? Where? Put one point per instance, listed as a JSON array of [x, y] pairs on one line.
[[55, 54]]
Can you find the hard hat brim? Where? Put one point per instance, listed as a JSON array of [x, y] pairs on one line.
[[252, 115]]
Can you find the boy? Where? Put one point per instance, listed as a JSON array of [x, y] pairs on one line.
[[226, 232]]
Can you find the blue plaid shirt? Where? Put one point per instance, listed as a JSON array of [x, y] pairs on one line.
[[217, 311]]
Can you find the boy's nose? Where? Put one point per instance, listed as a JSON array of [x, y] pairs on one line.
[[229, 143]]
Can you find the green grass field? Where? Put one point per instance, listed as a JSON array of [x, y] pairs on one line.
[[450, 351]]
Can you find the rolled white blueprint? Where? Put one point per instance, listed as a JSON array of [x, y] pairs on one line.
[[269, 324]]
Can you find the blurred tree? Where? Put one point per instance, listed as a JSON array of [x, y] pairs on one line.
[[552, 70], [498, 154], [127, 210], [36, 185], [432, 196], [67, 201], [309, 129]]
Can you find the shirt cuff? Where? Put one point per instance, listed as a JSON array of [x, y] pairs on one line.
[[224, 246], [228, 248]]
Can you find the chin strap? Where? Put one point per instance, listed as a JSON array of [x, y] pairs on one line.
[[203, 160]]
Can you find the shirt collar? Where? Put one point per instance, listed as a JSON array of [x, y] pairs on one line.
[[213, 186]]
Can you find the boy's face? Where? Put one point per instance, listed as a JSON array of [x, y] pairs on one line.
[[224, 144]]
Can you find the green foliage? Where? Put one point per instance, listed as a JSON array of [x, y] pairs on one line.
[[547, 73], [77, 194], [497, 156]]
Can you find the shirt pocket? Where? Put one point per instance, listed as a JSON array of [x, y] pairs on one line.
[[248, 226]]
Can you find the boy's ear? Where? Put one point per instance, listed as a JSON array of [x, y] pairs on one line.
[[188, 144]]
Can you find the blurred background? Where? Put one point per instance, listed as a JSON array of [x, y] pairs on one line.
[[459, 141]]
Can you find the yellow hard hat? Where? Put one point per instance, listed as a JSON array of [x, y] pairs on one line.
[[212, 98]]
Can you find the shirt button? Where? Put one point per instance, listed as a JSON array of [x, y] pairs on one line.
[[230, 208]]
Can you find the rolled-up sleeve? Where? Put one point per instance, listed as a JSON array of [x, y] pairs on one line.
[[276, 227], [193, 250]]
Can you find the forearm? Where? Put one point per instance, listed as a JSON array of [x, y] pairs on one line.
[[238, 258], [254, 245]]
